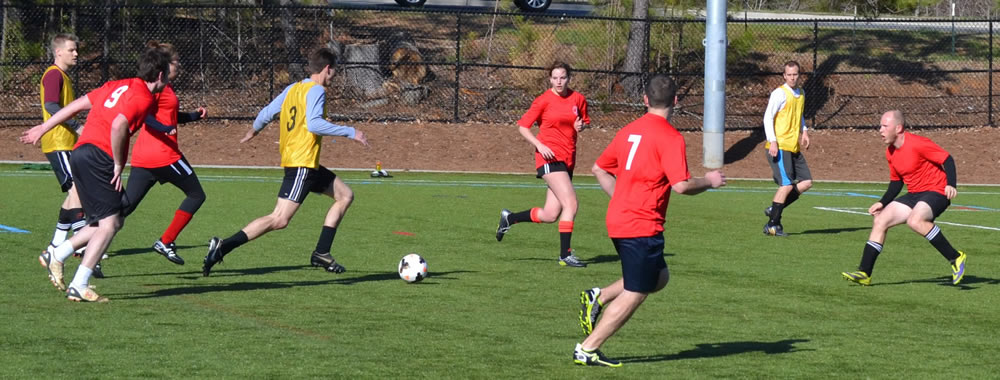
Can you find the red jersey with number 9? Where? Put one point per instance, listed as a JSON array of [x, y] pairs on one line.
[[918, 164], [128, 97], [646, 157]]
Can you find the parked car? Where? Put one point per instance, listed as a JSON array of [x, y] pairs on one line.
[[524, 5]]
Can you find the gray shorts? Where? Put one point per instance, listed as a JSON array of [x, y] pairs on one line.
[[788, 168]]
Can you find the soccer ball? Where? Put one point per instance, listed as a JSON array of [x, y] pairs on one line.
[[412, 268]]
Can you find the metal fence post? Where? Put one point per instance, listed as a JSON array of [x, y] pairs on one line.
[[989, 98], [458, 62], [107, 47], [815, 48]]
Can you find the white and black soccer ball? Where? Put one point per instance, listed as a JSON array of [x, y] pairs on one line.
[[412, 268]]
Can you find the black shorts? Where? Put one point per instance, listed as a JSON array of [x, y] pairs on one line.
[[173, 173], [936, 200], [788, 168], [60, 165], [552, 167], [94, 169], [642, 261], [299, 182]]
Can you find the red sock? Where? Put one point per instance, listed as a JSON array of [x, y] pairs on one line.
[[565, 226], [534, 215], [181, 219]]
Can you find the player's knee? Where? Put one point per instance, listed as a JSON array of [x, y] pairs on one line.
[[805, 186], [916, 222], [347, 197], [279, 223]]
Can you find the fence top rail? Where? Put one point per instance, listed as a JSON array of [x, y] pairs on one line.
[[734, 16]]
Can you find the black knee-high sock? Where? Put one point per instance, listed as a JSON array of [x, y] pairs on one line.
[[872, 250], [936, 237], [792, 196], [326, 239], [519, 217], [776, 209], [233, 242]]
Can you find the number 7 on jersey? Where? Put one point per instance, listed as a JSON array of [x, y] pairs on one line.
[[634, 139]]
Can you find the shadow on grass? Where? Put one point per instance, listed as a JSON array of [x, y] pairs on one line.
[[599, 259], [832, 230], [966, 283], [712, 350], [183, 289], [139, 251]]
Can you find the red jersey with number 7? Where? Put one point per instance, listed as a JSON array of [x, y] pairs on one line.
[[646, 157], [128, 97], [918, 164]]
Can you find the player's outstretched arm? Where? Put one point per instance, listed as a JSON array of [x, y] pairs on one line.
[[605, 179], [712, 180], [34, 134]]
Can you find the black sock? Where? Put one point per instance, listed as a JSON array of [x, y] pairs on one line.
[[326, 239], [792, 196], [776, 209], [872, 250], [65, 221], [233, 242], [518, 217], [936, 237], [564, 239], [79, 219]]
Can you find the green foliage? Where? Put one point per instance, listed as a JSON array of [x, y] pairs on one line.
[[740, 46], [525, 37]]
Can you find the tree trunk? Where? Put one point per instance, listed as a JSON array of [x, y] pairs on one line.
[[3, 41], [291, 46], [635, 53], [366, 77]]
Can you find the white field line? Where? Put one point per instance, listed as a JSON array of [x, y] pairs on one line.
[[846, 210]]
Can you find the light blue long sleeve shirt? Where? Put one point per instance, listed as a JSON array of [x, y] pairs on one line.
[[315, 99]]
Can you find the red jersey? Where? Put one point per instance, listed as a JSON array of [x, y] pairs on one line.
[[128, 97], [647, 157], [555, 116], [154, 149], [918, 164]]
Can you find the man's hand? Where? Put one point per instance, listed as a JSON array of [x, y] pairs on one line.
[[116, 180], [805, 140], [202, 112], [32, 135], [773, 150], [950, 192], [360, 137], [875, 209], [250, 134], [716, 178]]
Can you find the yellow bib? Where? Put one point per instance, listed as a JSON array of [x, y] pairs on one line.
[[299, 147], [788, 121], [62, 137]]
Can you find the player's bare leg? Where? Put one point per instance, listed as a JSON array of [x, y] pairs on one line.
[[892, 215], [105, 231], [561, 188], [618, 312], [342, 196]]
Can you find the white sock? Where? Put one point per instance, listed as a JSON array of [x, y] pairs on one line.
[[82, 278], [62, 251], [59, 236]]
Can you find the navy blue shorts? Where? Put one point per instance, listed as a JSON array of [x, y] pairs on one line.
[[642, 261]]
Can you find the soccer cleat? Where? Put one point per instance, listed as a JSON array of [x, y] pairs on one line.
[[326, 261], [958, 268], [504, 225], [98, 273], [767, 211], [86, 295], [859, 277], [572, 261], [169, 251], [595, 357], [213, 257], [774, 230], [55, 269], [590, 309]]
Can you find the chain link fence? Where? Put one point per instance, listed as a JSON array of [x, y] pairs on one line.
[[411, 64]]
